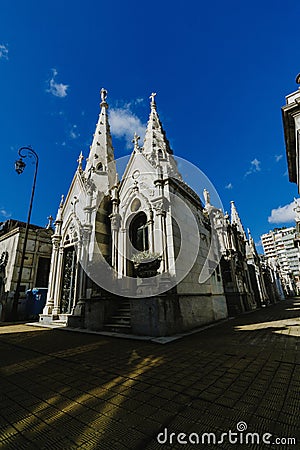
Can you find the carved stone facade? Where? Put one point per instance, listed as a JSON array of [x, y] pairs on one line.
[[249, 282], [104, 224]]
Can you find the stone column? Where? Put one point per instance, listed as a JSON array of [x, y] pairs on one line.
[[52, 276], [115, 226], [58, 282], [151, 231], [122, 254], [161, 234], [76, 280]]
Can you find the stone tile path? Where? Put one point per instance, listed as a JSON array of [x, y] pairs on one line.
[[62, 390]]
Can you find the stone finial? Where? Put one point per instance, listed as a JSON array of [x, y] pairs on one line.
[[103, 95], [206, 196], [152, 98], [135, 141], [79, 160], [62, 201], [298, 78]]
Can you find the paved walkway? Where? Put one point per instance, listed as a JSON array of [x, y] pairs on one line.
[[66, 391]]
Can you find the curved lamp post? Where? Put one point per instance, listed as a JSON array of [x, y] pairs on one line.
[[19, 167]]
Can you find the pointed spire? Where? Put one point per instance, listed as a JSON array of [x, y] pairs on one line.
[[251, 240], [155, 141], [235, 220], [101, 150]]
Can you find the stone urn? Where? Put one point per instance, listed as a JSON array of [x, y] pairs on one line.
[[146, 264]]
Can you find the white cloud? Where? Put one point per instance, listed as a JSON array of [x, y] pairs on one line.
[[57, 89], [3, 51], [73, 132], [283, 214], [278, 157], [5, 213], [229, 186], [124, 123], [254, 167]]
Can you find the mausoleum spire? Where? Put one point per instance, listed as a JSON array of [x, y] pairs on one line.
[[101, 150], [235, 220], [155, 142]]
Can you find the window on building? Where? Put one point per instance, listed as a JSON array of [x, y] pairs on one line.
[[42, 272], [138, 232]]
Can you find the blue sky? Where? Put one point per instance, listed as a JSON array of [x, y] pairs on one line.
[[221, 71]]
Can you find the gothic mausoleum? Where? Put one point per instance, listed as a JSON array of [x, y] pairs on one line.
[[134, 255]]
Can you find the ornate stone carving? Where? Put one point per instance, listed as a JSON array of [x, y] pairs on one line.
[[160, 206], [115, 221], [3, 260]]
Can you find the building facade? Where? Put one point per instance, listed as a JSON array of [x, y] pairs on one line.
[[291, 127], [36, 265], [125, 253], [242, 272], [279, 245]]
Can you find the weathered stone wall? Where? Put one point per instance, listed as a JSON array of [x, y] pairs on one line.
[[168, 315]]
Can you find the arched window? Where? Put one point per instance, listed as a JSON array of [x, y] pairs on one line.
[[138, 232], [99, 167]]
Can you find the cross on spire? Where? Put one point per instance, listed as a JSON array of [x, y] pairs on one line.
[[50, 221], [103, 94], [152, 97]]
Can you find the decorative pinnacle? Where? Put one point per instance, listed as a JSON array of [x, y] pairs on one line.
[[62, 201], [135, 141], [103, 95], [79, 160], [206, 197], [152, 97]]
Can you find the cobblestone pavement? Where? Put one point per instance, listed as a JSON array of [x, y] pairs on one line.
[[67, 390]]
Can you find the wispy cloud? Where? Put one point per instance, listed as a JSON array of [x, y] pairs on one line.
[[278, 157], [229, 186], [124, 123], [254, 167], [283, 214], [3, 51], [74, 133], [4, 213], [57, 89]]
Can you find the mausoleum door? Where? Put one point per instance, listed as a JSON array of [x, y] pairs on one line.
[[68, 279]]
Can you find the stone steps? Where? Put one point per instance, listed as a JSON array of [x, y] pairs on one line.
[[120, 322], [58, 323]]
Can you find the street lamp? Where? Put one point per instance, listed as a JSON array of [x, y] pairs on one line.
[[19, 167]]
